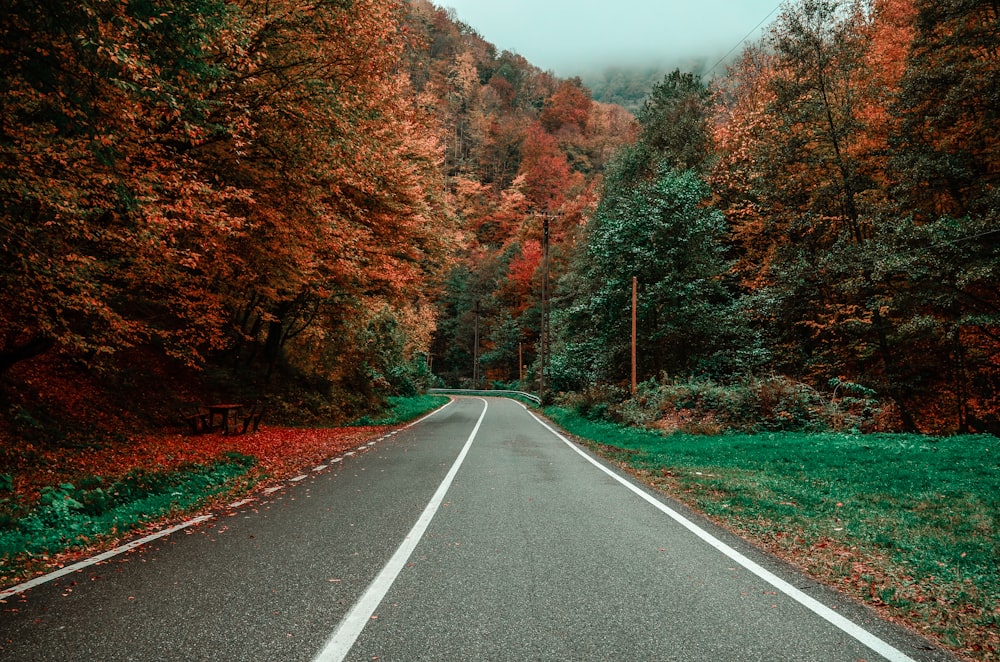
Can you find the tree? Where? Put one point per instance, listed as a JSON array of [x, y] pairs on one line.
[[107, 224], [674, 123], [945, 158], [817, 191], [661, 232]]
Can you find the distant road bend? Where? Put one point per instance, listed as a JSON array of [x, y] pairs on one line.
[[478, 533]]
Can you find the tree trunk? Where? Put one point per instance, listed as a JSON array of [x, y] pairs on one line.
[[895, 391]]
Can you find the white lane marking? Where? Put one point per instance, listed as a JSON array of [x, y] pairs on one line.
[[884, 649], [354, 622], [104, 556], [336, 459], [61, 572], [319, 468], [297, 478]]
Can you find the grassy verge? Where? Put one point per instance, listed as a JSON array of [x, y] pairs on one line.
[[71, 516], [58, 500], [907, 523], [404, 409]]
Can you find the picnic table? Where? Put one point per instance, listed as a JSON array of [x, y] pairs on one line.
[[229, 418]]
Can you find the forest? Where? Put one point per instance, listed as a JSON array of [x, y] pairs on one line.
[[321, 205]]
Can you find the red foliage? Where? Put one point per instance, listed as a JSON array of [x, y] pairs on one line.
[[280, 452]]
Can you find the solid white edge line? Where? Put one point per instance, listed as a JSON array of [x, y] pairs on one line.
[[343, 638], [884, 649], [94, 560], [104, 556]]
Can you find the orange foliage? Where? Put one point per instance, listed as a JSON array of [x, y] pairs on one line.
[[280, 451]]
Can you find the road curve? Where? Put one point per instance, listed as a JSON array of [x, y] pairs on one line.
[[476, 534]]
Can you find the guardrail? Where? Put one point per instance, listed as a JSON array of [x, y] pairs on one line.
[[487, 392]]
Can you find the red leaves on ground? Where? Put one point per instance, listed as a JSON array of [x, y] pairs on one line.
[[280, 452]]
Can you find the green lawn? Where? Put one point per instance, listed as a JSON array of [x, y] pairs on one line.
[[909, 523]]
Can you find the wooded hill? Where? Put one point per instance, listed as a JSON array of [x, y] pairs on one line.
[[308, 204]]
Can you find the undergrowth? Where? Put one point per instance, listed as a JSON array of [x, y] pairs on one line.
[[702, 406], [72, 515]]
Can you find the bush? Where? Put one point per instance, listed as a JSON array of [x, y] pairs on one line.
[[594, 402], [703, 406]]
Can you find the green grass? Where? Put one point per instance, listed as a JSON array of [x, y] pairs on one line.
[[907, 522], [70, 516], [403, 409]]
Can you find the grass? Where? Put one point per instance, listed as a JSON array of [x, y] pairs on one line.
[[60, 501], [908, 523], [69, 516], [403, 409]]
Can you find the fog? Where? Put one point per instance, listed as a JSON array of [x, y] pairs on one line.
[[574, 37]]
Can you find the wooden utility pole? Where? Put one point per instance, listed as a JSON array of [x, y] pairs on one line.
[[544, 358], [635, 289], [520, 365], [475, 348]]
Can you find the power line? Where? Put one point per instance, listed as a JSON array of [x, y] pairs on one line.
[[745, 37]]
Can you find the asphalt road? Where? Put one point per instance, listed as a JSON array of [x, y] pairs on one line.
[[475, 534]]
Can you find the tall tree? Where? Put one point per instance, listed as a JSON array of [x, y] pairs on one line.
[[661, 232], [674, 123], [946, 159], [106, 221], [818, 189]]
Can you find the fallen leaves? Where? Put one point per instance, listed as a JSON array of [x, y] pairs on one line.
[[280, 451]]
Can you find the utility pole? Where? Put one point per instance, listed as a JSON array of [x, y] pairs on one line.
[[520, 366], [544, 358], [475, 348], [635, 288]]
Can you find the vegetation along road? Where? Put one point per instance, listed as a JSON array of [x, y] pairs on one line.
[[477, 533]]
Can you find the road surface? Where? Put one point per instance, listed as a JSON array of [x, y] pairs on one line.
[[478, 533]]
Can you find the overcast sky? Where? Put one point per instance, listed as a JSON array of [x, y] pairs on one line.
[[572, 37]]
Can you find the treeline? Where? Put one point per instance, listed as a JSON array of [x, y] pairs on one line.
[[346, 195], [258, 196], [826, 211], [242, 184]]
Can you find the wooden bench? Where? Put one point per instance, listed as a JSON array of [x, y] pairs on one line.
[[251, 418], [196, 417]]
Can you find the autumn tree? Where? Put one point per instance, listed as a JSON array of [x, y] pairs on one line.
[[197, 176], [946, 239], [817, 189], [107, 224]]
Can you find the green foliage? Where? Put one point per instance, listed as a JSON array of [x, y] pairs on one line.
[[703, 406], [660, 232], [674, 121], [69, 515]]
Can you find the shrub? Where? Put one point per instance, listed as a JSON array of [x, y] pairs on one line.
[[594, 402], [703, 406]]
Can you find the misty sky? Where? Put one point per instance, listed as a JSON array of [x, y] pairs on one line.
[[572, 37]]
